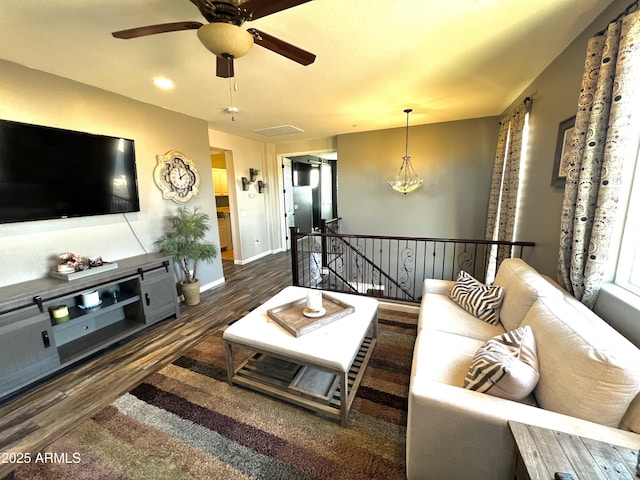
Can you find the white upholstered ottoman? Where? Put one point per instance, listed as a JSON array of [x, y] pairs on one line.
[[302, 370]]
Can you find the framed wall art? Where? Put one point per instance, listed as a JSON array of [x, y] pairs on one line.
[[560, 166]]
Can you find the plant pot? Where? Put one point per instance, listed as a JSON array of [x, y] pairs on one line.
[[191, 292]]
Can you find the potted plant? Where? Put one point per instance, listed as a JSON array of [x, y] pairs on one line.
[[184, 241]]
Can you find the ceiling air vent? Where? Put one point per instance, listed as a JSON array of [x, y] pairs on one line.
[[275, 131]]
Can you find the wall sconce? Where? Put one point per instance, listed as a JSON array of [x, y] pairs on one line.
[[253, 175]]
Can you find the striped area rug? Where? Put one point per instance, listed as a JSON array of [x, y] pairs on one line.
[[186, 422]]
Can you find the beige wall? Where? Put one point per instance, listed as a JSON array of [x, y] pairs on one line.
[[453, 158], [27, 249]]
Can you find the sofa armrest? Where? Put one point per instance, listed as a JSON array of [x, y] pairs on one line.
[[441, 287], [458, 433]]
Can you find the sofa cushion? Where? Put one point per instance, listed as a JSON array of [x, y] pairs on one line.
[[443, 357], [480, 300], [439, 312], [587, 369], [522, 285], [505, 366]]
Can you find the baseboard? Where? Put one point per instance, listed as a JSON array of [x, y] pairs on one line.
[[254, 258], [208, 286]]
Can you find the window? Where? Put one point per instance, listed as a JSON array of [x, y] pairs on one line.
[[628, 269]]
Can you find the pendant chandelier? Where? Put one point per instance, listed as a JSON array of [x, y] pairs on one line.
[[407, 179]]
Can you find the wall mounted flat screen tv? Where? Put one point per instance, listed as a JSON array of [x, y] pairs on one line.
[[48, 173]]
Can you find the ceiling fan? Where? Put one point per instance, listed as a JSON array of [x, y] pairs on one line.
[[224, 36]]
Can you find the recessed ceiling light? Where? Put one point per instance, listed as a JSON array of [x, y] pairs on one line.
[[163, 83]]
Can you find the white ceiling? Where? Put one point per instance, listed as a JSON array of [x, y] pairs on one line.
[[446, 59]]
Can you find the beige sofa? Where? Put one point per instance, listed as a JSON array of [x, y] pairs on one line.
[[589, 379]]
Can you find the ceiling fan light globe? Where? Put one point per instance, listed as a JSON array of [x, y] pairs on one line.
[[225, 39]]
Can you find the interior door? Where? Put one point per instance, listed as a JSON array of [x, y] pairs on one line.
[[289, 211]]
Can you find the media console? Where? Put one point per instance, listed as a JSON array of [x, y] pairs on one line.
[[34, 344]]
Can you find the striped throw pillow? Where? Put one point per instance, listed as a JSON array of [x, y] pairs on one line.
[[480, 300], [505, 366]]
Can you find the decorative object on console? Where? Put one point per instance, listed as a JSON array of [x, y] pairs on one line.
[[72, 266], [407, 179], [480, 300], [71, 262], [184, 241], [90, 299], [505, 366], [60, 313], [176, 176]]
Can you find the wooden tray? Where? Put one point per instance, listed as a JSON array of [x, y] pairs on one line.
[[290, 317], [273, 367], [315, 384]]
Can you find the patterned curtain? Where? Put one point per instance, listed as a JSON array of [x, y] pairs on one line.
[[503, 197], [602, 137]]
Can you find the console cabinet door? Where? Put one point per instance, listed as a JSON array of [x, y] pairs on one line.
[[159, 295], [27, 348]]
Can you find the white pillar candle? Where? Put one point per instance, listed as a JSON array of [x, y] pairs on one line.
[[314, 300]]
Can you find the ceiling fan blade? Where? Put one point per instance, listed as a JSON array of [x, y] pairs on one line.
[[281, 47], [224, 67], [153, 29], [262, 8]]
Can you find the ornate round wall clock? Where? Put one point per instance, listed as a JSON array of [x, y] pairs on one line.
[[176, 176]]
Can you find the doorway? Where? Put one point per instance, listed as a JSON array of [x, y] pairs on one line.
[[309, 191], [221, 165]]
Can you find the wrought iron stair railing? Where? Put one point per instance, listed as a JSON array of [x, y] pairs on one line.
[[390, 267]]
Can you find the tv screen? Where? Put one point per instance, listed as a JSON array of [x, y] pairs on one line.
[[50, 173]]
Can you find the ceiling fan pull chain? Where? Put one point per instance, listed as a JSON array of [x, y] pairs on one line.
[[233, 86]]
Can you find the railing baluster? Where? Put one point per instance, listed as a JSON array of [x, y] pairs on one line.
[[444, 257]]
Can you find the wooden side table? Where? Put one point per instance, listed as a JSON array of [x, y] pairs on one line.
[[542, 452]]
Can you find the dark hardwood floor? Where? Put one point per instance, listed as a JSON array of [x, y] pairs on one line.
[[34, 419]]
